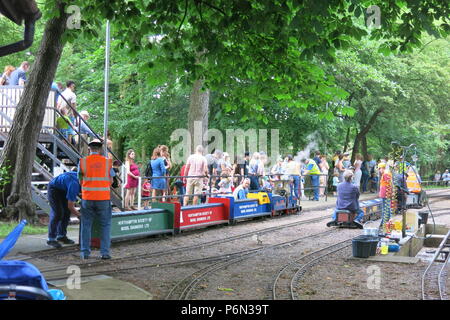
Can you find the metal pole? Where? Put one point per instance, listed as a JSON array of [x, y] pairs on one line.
[[139, 190], [122, 187], [105, 123]]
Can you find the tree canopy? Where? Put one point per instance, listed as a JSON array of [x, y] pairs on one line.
[[346, 71]]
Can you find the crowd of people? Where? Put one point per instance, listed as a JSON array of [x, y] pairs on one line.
[[13, 76], [74, 129], [215, 173], [444, 177]]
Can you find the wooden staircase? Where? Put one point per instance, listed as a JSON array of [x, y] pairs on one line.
[[54, 154]]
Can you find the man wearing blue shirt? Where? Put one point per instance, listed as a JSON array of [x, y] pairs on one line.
[[18, 77], [348, 199], [62, 194]]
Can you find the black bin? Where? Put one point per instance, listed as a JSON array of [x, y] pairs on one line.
[[423, 217], [364, 246]]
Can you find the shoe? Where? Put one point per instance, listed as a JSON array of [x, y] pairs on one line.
[[54, 244], [358, 224], [66, 240], [331, 223], [106, 257]]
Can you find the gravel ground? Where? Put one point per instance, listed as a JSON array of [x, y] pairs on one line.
[[337, 277]]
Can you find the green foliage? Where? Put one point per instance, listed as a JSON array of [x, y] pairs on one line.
[[5, 178], [300, 66], [7, 227]]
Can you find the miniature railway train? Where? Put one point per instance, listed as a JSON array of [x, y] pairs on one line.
[[171, 218]]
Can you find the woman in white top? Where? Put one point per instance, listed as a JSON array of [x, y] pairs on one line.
[[324, 168], [358, 173]]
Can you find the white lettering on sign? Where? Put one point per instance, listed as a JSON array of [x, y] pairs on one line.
[[133, 224], [199, 216], [249, 208]]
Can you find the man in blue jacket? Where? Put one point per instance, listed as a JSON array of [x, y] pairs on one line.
[[348, 199], [63, 191]]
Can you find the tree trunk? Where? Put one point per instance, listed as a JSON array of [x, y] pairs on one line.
[[347, 139], [20, 147], [364, 147], [355, 150], [361, 135], [198, 115]]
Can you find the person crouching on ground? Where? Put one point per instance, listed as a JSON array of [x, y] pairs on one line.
[[348, 199], [62, 194]]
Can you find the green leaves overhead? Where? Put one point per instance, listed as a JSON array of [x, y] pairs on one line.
[[270, 44]]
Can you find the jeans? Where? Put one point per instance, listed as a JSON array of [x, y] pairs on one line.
[[364, 181], [59, 214], [254, 183], [295, 187], [358, 217], [90, 210], [181, 191], [315, 184]]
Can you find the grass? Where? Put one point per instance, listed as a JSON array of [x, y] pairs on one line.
[[7, 227]]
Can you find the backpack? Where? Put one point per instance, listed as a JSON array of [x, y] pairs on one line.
[[149, 170]]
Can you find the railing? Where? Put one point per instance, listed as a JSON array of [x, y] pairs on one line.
[[9, 99], [436, 184], [287, 186]]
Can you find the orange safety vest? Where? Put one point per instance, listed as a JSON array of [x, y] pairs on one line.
[[412, 183], [95, 183]]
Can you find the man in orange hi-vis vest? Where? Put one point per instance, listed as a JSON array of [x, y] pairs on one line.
[[95, 174], [413, 182]]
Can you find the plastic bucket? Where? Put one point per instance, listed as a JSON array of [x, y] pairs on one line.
[[364, 246], [370, 230]]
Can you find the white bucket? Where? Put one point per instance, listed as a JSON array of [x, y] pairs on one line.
[[370, 230]]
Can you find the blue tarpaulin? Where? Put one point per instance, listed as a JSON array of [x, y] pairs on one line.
[[20, 272], [11, 239]]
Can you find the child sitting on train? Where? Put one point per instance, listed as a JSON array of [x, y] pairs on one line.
[[241, 191], [267, 185], [225, 184]]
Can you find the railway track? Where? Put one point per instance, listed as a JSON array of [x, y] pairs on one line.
[[55, 273], [284, 283], [434, 277], [184, 288], [90, 264], [84, 267], [68, 250]]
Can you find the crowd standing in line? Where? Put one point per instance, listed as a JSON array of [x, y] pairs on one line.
[[214, 173]]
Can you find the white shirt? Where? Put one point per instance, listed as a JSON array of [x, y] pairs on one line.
[[69, 95]]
